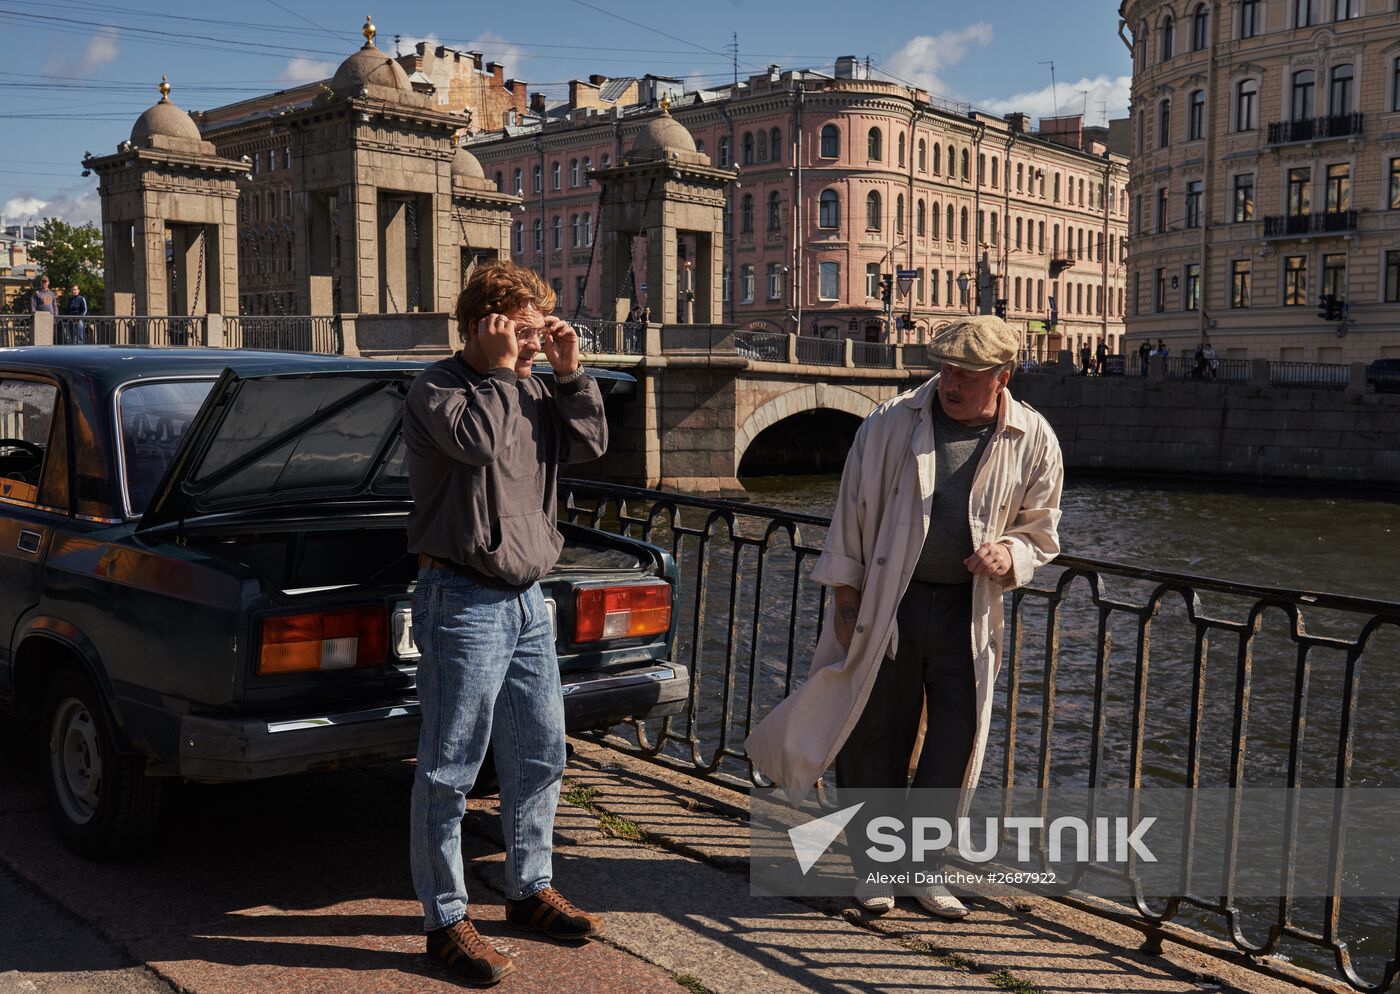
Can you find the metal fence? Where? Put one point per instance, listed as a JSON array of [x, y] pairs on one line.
[[1113, 676], [611, 337], [101, 329], [283, 333], [16, 329], [765, 346], [1315, 375], [872, 355], [821, 351]]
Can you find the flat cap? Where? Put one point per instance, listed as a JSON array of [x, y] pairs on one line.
[[982, 341]]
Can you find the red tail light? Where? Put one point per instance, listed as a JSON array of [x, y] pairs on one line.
[[622, 612], [326, 640]]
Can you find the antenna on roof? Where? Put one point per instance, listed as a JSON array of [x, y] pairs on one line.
[[396, 46], [733, 47], [1054, 94]]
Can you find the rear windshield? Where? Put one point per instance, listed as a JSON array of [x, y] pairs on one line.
[[154, 417]]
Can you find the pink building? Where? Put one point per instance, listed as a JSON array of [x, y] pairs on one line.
[[843, 183]]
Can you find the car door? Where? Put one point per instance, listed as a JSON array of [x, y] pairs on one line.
[[34, 496]]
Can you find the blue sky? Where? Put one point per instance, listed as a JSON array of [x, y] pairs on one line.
[[74, 75]]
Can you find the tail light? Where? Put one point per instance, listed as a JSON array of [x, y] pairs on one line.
[[622, 612], [326, 640]]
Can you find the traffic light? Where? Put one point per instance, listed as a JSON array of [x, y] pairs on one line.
[[1329, 308], [887, 288], [999, 308]]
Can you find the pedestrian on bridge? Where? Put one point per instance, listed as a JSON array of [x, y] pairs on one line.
[[485, 440], [950, 496]]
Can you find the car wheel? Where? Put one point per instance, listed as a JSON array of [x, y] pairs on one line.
[[102, 803], [1371, 386]]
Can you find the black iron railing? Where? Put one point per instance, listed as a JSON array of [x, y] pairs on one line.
[[1315, 128], [1110, 679], [1321, 223]]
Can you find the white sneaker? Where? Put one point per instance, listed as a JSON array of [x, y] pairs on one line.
[[937, 900], [874, 898]]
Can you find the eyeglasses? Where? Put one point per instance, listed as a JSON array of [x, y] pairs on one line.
[[523, 335]]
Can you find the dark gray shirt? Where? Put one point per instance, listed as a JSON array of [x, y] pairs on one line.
[[957, 449], [484, 452]]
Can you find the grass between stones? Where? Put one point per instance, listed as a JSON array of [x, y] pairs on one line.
[[692, 984], [582, 796]]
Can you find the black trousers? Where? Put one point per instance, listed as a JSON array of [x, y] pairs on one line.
[[933, 661]]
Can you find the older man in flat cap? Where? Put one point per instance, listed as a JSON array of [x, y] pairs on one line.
[[950, 497]]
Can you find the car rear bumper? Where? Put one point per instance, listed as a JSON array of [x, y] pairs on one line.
[[234, 749]]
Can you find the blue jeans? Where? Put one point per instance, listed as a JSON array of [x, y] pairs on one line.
[[487, 674]]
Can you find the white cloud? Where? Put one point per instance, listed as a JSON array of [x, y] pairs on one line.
[[101, 50], [407, 43], [924, 58], [1106, 96], [495, 48], [301, 70], [76, 205]]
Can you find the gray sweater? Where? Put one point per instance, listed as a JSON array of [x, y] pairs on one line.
[[483, 462]]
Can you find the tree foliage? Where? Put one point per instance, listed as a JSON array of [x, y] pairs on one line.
[[67, 254]]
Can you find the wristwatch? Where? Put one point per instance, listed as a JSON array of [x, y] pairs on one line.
[[569, 377]]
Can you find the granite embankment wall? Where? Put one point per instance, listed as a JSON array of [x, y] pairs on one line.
[[1127, 425]]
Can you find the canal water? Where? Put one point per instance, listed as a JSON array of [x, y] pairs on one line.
[[751, 639]]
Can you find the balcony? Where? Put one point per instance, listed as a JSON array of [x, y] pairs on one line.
[[1304, 225], [1315, 129]]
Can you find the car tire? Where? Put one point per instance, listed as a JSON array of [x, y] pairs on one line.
[[1371, 386], [102, 802]]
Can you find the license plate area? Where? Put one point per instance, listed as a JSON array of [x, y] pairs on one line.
[[401, 629]]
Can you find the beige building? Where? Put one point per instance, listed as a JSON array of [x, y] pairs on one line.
[[1265, 177], [842, 182]]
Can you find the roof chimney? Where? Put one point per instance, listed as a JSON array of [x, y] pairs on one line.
[[537, 103], [846, 67], [1017, 120]]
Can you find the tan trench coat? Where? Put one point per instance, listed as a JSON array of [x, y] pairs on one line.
[[877, 532]]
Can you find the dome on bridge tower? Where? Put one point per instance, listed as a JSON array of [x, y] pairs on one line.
[[164, 120], [370, 67], [466, 166], [663, 137]]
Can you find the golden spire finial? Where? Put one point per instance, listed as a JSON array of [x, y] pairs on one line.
[[368, 31], [164, 89], [665, 103]]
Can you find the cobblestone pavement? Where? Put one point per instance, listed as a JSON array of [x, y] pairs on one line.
[[302, 885]]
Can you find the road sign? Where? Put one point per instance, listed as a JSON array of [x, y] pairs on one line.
[[642, 287], [1037, 327], [907, 274]]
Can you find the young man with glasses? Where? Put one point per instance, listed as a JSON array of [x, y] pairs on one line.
[[485, 440]]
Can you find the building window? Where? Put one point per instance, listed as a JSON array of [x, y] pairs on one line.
[[1193, 203], [1392, 277], [1395, 83], [762, 141], [746, 148], [966, 165], [938, 149], [1161, 210], [872, 211], [538, 172], [1339, 93], [555, 172], [575, 232], [515, 186], [948, 289], [588, 229], [775, 213], [1295, 281], [724, 152], [1020, 177], [1018, 234], [558, 237], [923, 156], [1141, 131], [1339, 187], [874, 145], [1249, 18], [994, 228], [831, 141], [1300, 191], [1168, 37], [921, 218], [996, 172], [1159, 298], [607, 160], [587, 168], [518, 238], [775, 281], [1303, 84], [539, 235], [1196, 119], [573, 172], [981, 170], [963, 226], [1040, 241], [1193, 286], [949, 225], [1164, 124], [1056, 188], [1244, 198], [1305, 14], [746, 215], [900, 153], [1345, 10], [1200, 28], [500, 182], [746, 284], [829, 281], [899, 215], [775, 145], [1040, 295], [1334, 275], [1395, 184], [1247, 105], [829, 210]]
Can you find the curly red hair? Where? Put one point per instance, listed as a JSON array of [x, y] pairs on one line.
[[498, 287]]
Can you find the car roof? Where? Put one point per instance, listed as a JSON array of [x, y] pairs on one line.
[[109, 366]]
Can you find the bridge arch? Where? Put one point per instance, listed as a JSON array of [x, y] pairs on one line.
[[809, 397]]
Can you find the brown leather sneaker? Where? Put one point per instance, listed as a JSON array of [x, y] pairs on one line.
[[551, 913], [468, 956]]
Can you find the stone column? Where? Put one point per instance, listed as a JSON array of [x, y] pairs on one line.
[[393, 256], [709, 263], [661, 274], [315, 248], [149, 267], [119, 267]]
